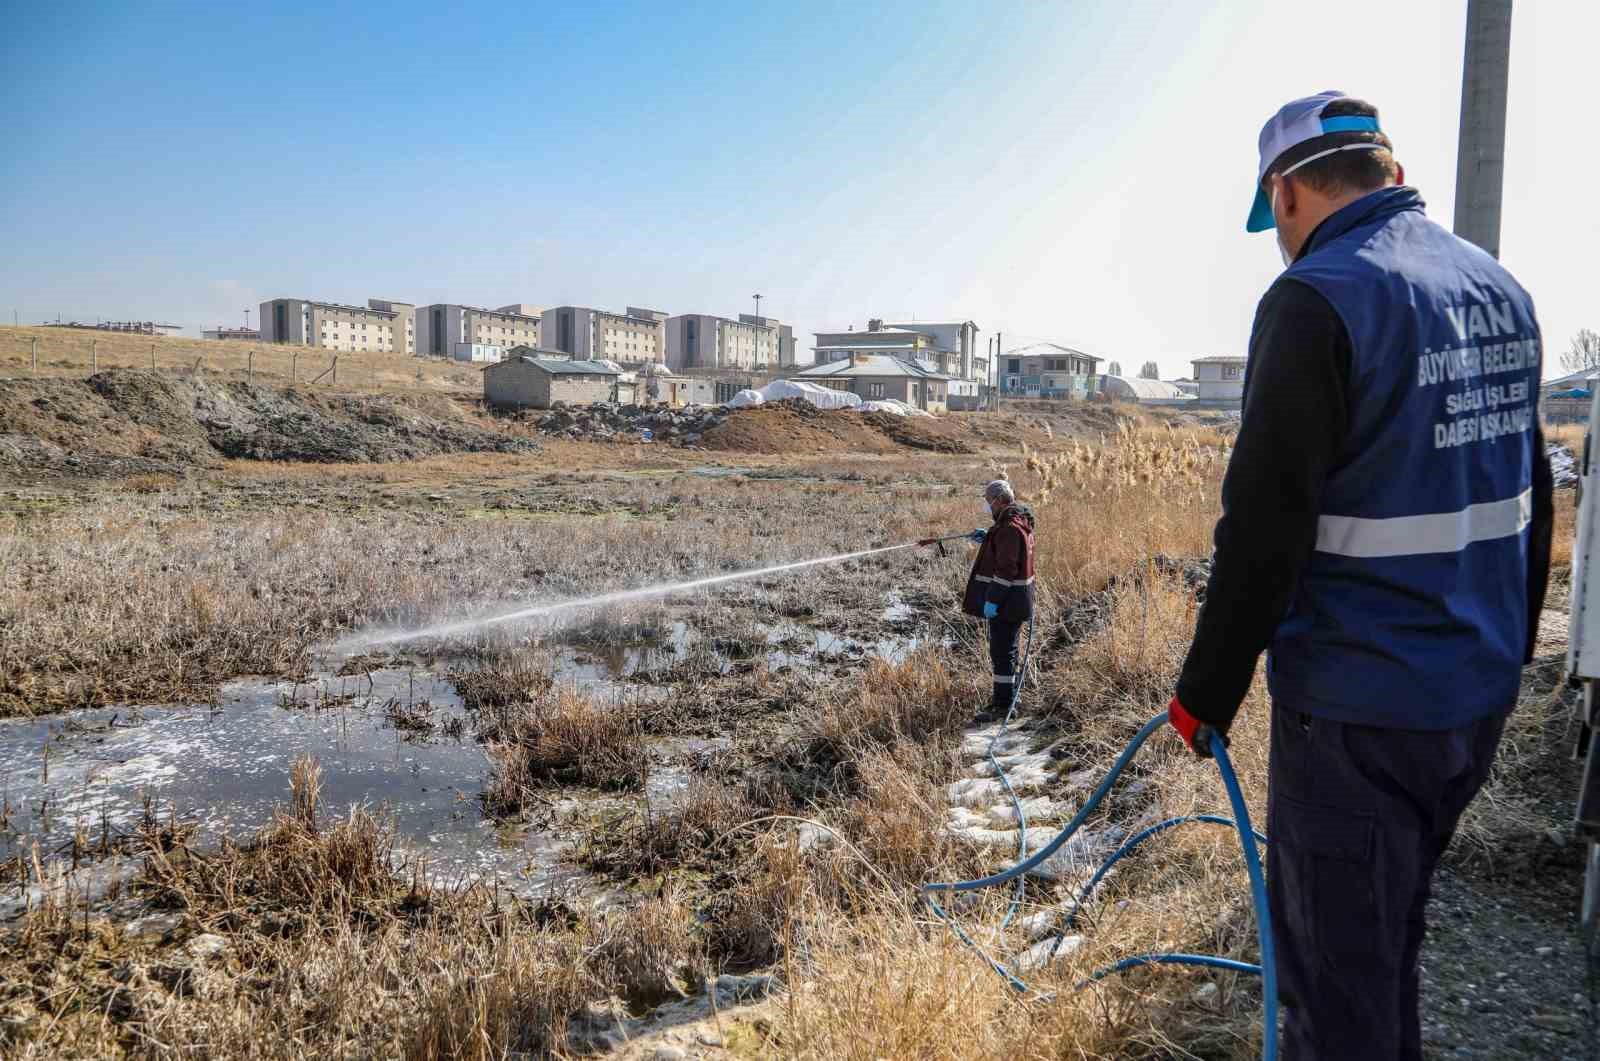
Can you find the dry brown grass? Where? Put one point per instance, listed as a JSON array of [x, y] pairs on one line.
[[564, 737], [880, 985], [307, 941], [67, 352], [922, 699]]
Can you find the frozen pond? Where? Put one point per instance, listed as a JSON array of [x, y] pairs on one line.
[[224, 767], [398, 738]]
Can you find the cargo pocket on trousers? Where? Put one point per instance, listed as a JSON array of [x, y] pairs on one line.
[[1337, 902]]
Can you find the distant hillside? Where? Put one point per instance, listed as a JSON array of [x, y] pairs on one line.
[[72, 352]]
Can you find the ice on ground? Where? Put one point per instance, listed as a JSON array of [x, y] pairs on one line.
[[1038, 808], [967, 818], [975, 744], [1044, 952], [1078, 858], [1001, 838], [981, 792]]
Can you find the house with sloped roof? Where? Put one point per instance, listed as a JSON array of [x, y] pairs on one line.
[[539, 380], [876, 377]]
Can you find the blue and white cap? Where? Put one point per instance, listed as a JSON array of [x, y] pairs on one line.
[[1303, 131]]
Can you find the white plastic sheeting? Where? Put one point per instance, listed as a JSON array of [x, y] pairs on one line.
[[891, 405], [821, 397], [744, 399]]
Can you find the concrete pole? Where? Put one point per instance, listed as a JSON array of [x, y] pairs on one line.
[[1480, 155]]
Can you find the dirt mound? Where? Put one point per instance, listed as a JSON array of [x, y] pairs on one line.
[[133, 413], [797, 426]]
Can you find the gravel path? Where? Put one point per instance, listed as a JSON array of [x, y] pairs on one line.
[[1505, 974]]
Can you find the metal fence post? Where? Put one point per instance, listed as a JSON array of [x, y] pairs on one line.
[[152, 357], [250, 367], [334, 368], [294, 369], [94, 355], [34, 345]]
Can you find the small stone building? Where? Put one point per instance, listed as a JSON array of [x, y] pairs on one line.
[[530, 382]]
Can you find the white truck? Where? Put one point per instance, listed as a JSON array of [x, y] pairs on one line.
[[1583, 670]]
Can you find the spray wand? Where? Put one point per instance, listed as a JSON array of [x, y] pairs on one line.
[[947, 538]]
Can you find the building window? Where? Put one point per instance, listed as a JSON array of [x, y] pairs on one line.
[[874, 390], [1230, 371]]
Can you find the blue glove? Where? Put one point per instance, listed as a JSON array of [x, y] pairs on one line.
[[990, 609], [978, 535]]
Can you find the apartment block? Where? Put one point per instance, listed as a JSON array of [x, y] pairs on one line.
[[380, 326], [634, 337], [785, 338], [444, 329], [703, 341]]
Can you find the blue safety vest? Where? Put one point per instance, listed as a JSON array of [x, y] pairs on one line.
[[1412, 610]]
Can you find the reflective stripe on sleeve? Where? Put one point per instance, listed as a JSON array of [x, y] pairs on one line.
[[1436, 532], [1005, 679], [1003, 581]]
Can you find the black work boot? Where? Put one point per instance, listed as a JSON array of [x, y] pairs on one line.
[[986, 715]]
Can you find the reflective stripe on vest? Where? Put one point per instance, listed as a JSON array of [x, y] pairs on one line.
[[1436, 532]]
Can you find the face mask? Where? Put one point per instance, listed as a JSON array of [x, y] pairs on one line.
[[1283, 250]]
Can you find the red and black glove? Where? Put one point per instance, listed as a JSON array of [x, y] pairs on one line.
[[1196, 734]]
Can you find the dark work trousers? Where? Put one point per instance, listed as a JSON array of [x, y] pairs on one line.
[[1357, 819], [1003, 655]]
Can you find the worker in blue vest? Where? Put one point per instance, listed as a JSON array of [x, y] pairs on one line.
[[1385, 536]]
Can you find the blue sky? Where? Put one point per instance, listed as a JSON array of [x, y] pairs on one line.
[[1077, 172]]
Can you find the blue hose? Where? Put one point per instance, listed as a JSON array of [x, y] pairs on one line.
[[1248, 838]]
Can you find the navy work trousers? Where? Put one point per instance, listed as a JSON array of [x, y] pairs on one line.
[[1357, 818], [1003, 656]]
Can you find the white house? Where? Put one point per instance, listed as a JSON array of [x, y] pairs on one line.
[[1219, 377]]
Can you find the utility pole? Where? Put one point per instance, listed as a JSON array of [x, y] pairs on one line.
[[759, 321], [1481, 151]]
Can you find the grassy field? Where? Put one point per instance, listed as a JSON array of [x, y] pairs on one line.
[[769, 909], [80, 352]]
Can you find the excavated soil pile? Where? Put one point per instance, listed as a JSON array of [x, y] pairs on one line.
[[796, 426], [131, 418]]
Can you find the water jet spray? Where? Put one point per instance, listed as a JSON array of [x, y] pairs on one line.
[[375, 639]]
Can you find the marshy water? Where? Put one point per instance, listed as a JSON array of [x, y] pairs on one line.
[[397, 738]]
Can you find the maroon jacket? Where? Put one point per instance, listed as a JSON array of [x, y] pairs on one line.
[[1003, 571]]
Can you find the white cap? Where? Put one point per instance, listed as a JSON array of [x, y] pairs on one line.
[[1301, 124]]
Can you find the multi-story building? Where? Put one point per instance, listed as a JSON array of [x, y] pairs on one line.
[[1048, 370], [785, 337], [521, 309], [702, 341], [635, 337], [947, 348], [383, 327], [1220, 377], [406, 313], [446, 329]]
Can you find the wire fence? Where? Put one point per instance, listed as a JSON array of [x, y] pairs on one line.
[[45, 353]]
